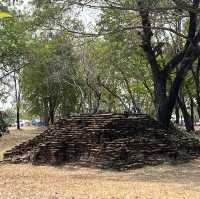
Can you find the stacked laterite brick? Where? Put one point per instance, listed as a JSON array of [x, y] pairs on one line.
[[108, 141]]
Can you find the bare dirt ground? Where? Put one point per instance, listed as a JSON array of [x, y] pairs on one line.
[[67, 182]]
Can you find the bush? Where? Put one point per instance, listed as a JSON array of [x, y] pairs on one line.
[[3, 124]]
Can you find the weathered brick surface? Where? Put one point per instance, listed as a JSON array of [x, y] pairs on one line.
[[107, 141]]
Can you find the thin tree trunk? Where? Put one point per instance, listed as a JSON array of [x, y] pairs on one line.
[[17, 98], [135, 107], [177, 114], [192, 109], [18, 118], [51, 110], [46, 114], [51, 115], [198, 105], [114, 94], [97, 104], [110, 103], [189, 125], [196, 77]]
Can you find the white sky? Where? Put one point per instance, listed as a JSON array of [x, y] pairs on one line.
[[89, 17]]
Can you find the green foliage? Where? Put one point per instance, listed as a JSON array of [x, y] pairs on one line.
[[45, 81], [10, 116], [120, 62], [3, 124], [60, 72]]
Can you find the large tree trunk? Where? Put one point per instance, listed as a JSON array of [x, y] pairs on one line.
[[164, 104], [161, 103], [51, 117]]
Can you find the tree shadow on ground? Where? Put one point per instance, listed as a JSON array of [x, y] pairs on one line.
[[183, 174]]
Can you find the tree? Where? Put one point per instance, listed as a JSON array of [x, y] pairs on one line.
[[114, 69], [152, 29], [43, 83], [121, 66]]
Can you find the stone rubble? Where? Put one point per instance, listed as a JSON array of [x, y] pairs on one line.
[[111, 140]]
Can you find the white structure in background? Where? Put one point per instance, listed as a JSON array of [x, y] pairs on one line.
[[196, 115]]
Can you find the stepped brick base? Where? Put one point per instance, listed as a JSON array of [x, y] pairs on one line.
[[114, 141]]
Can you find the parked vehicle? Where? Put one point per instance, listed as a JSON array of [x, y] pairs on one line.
[[37, 122], [27, 122], [23, 123]]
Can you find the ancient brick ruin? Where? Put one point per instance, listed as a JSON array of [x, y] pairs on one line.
[[114, 141]]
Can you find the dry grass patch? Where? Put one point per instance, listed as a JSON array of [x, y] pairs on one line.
[[44, 182], [161, 182], [16, 137]]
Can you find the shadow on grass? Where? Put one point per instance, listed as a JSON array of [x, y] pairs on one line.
[[186, 175]]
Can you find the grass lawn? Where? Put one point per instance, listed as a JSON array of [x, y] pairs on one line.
[[67, 182]]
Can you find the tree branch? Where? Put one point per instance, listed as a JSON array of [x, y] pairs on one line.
[[150, 9], [146, 43], [173, 63]]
